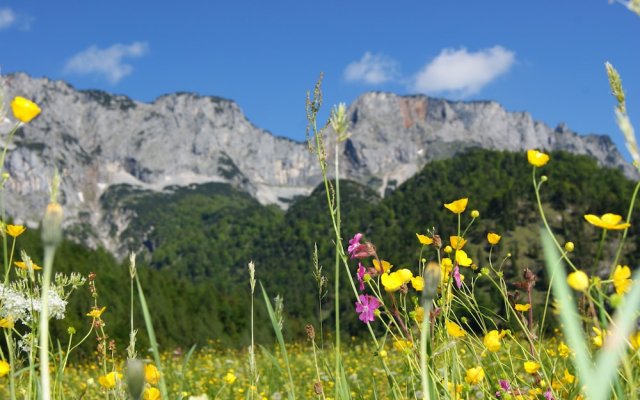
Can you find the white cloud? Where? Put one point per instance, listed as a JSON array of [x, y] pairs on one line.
[[372, 69], [461, 73], [107, 62], [7, 18]]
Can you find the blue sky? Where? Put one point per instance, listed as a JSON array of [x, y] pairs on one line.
[[545, 57]]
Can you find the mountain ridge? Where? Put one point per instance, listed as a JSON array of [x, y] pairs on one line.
[[98, 140]]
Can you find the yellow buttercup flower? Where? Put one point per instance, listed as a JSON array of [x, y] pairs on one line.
[[15, 230], [563, 350], [382, 266], [457, 206], [578, 280], [24, 110], [418, 314], [447, 266], [110, 380], [403, 346], [418, 283], [457, 242], [537, 158], [151, 394], [425, 240], [5, 368], [6, 323], [523, 307], [607, 221], [151, 374], [463, 259], [598, 339], [531, 367], [622, 279], [493, 238], [568, 377], [492, 340], [230, 377], [96, 312], [474, 375], [455, 330], [391, 282], [23, 265]]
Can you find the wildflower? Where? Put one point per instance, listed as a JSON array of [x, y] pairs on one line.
[[475, 214], [607, 221], [447, 266], [417, 283], [504, 385], [457, 206], [15, 230], [402, 345], [418, 314], [457, 242], [563, 350], [598, 339], [492, 340], [635, 340], [425, 240], [151, 394], [23, 265], [493, 238], [448, 249], [455, 330], [151, 374], [531, 367], [537, 158], [110, 380], [96, 312], [569, 247], [548, 394], [5, 368], [405, 274], [365, 306], [360, 250], [578, 280], [622, 279], [230, 377], [568, 377], [457, 277], [391, 282], [24, 110], [523, 307], [382, 266], [463, 259], [6, 323], [474, 375]]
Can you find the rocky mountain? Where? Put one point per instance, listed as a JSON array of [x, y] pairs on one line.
[[100, 141]]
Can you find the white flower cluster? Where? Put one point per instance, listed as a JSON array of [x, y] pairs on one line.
[[20, 306]]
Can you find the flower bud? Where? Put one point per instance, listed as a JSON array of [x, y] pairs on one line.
[[475, 214], [569, 247], [135, 378], [52, 225]]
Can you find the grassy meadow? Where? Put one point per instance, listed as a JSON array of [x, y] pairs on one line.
[[456, 322]]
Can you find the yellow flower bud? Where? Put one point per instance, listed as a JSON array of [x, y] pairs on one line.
[[475, 214], [578, 280], [569, 247]]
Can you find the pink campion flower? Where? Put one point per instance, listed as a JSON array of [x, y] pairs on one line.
[[354, 243], [504, 384], [548, 395], [360, 250], [366, 305], [456, 276], [361, 273]]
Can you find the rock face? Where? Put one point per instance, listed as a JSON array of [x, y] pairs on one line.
[[97, 140]]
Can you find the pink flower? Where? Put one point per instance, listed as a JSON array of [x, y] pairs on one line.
[[361, 273], [548, 395], [456, 276], [366, 305], [360, 250]]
